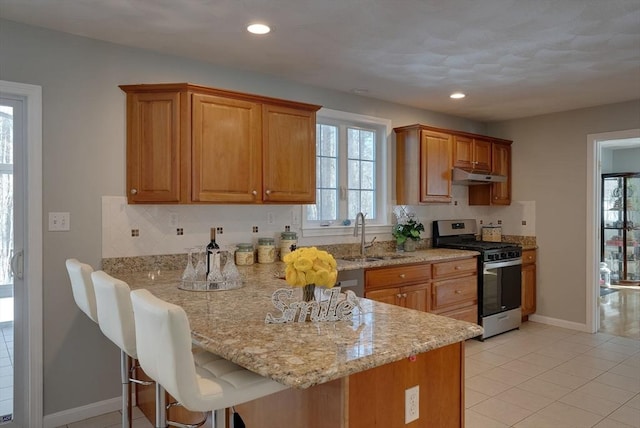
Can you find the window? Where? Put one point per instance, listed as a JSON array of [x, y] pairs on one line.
[[351, 157]]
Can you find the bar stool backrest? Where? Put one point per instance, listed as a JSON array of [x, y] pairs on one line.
[[82, 287], [164, 352], [115, 313]]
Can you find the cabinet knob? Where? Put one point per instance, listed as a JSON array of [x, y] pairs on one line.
[[254, 193], [402, 275], [404, 295], [134, 191], [458, 292], [399, 296], [268, 192], [457, 268]]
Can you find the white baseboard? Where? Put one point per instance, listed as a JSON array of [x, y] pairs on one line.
[[80, 413], [559, 323]]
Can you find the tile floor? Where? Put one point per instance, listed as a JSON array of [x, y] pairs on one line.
[[6, 369], [536, 377]]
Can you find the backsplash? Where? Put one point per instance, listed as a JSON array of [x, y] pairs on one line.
[[148, 230]]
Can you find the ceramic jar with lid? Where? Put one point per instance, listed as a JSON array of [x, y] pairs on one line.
[[266, 250], [244, 254], [287, 239]]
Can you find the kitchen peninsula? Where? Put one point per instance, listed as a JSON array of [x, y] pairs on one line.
[[342, 374]]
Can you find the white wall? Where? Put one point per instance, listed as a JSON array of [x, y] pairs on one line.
[[623, 160], [549, 167]]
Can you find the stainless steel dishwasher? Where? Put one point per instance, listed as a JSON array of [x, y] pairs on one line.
[[353, 280]]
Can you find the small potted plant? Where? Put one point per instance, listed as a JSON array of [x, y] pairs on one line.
[[407, 233]]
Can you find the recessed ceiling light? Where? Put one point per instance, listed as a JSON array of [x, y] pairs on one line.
[[258, 29], [457, 95]]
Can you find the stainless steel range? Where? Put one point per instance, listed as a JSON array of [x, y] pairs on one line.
[[499, 274]]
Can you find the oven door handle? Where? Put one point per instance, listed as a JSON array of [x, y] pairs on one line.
[[496, 265]]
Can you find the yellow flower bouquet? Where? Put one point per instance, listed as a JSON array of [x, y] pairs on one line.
[[310, 266]]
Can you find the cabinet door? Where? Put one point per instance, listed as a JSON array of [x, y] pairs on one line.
[[501, 192], [416, 297], [463, 152], [481, 155], [391, 296], [153, 147], [227, 155], [528, 289], [435, 167], [289, 155]]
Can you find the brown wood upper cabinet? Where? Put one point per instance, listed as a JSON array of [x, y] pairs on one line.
[[426, 155], [423, 165], [471, 153], [193, 144], [495, 193]]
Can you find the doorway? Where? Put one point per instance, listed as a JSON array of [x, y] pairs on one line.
[[21, 248], [607, 310]]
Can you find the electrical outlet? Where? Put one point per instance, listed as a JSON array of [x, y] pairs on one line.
[[271, 218], [411, 404], [295, 216]]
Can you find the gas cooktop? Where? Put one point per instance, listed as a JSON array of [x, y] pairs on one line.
[[461, 234]]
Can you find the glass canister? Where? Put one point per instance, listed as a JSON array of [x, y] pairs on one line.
[[244, 254], [266, 250], [287, 239]]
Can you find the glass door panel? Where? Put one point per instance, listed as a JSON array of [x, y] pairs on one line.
[[621, 226]]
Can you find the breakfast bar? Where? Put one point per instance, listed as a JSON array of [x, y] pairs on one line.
[[342, 374]]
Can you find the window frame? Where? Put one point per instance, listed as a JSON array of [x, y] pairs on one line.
[[383, 179]]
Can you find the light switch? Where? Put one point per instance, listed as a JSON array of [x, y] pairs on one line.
[[59, 222]]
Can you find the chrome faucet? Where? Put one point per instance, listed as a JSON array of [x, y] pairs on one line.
[[363, 244]]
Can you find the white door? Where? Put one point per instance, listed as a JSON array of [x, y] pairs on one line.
[[20, 257], [11, 140]]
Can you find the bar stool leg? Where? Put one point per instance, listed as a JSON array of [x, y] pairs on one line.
[[125, 367], [219, 418], [161, 407]]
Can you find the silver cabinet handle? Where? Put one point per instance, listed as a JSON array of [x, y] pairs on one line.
[[17, 264], [134, 191]]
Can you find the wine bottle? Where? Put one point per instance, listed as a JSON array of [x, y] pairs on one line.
[[212, 252]]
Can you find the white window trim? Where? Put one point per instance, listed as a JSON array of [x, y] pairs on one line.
[[383, 188]]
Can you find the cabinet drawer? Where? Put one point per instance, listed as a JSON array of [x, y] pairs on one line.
[[454, 292], [398, 275], [455, 267], [528, 257], [469, 314]]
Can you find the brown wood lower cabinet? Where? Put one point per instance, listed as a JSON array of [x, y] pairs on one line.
[[448, 288], [373, 398], [146, 400], [528, 283]]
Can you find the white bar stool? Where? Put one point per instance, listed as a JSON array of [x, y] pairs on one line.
[[164, 352], [82, 287], [115, 318]]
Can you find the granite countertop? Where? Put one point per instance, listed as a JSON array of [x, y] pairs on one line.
[[231, 324], [431, 255]]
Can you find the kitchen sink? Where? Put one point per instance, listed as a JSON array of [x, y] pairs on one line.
[[373, 258], [361, 259], [392, 257]]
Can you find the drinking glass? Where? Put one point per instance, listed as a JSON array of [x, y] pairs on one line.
[[201, 267], [189, 274]]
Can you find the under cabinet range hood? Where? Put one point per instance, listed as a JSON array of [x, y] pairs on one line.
[[469, 178]]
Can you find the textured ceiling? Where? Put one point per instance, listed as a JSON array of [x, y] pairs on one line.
[[513, 58]]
